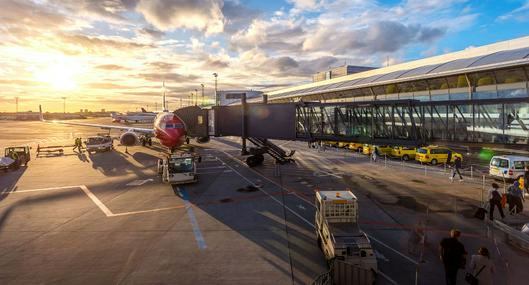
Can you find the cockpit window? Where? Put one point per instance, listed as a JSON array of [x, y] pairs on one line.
[[174, 125]]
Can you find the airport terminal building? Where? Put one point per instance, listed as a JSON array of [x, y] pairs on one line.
[[478, 95]]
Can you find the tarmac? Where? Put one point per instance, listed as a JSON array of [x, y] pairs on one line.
[[106, 218]]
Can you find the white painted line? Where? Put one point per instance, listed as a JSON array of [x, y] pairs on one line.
[[387, 277], [211, 167], [96, 201], [148, 211], [44, 189], [259, 174], [394, 250], [139, 182], [381, 256], [272, 197]]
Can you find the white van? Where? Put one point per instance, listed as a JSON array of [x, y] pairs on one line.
[[508, 166]]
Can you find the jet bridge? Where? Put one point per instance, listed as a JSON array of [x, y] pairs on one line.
[[486, 122]]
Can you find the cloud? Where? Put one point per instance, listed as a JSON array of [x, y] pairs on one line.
[[29, 15], [77, 43], [215, 64], [99, 85], [163, 66], [167, 77], [153, 33], [384, 36], [238, 16], [519, 14], [110, 67], [282, 35], [166, 15]]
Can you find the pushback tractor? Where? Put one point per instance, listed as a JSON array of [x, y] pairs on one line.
[[178, 168]]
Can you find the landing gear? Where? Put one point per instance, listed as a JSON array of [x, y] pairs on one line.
[[254, 160]]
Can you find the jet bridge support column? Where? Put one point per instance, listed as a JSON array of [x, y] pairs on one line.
[[244, 133]]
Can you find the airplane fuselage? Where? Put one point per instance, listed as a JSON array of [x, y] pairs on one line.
[[169, 129]]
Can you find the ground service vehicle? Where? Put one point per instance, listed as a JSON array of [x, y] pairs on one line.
[[337, 230], [178, 168], [435, 154], [403, 152], [15, 157], [356, 146], [99, 143], [508, 166]]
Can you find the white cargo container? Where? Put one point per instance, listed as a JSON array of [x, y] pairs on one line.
[[339, 236]]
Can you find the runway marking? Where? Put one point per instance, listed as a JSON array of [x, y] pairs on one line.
[[394, 250], [211, 167], [108, 213], [96, 201], [192, 218], [139, 182], [387, 277]]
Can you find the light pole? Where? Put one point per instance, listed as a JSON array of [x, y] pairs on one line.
[[196, 96], [202, 85], [216, 99], [64, 105], [191, 99], [16, 102]]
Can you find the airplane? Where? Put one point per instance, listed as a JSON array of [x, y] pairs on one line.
[[168, 128], [136, 117]]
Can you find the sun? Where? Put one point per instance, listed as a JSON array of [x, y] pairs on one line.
[[59, 74]]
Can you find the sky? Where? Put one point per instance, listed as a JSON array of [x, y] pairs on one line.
[[115, 54]]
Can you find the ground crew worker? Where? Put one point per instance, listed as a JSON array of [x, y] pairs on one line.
[[78, 144]]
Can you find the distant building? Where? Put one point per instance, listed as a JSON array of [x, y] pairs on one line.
[[86, 110], [228, 97], [102, 110], [339, 72]]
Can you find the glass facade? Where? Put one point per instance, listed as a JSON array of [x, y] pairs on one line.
[[471, 122]]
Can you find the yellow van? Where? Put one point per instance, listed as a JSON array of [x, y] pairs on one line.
[[356, 147], [367, 149], [403, 152], [343, 144], [382, 149], [435, 154]]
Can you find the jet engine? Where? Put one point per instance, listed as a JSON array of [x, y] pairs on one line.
[[129, 139], [202, 139]]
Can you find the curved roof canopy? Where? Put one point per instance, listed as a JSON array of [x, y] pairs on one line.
[[492, 60]]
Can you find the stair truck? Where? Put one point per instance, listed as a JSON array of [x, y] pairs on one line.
[[178, 168], [337, 231]]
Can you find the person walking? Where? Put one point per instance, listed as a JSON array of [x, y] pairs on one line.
[[416, 239], [526, 179], [482, 267], [453, 256], [515, 198], [456, 168], [375, 153], [78, 144], [495, 201]]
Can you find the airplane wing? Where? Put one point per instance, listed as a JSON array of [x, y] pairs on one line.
[[105, 127]]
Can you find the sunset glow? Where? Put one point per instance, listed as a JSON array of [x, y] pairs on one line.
[[116, 54]]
